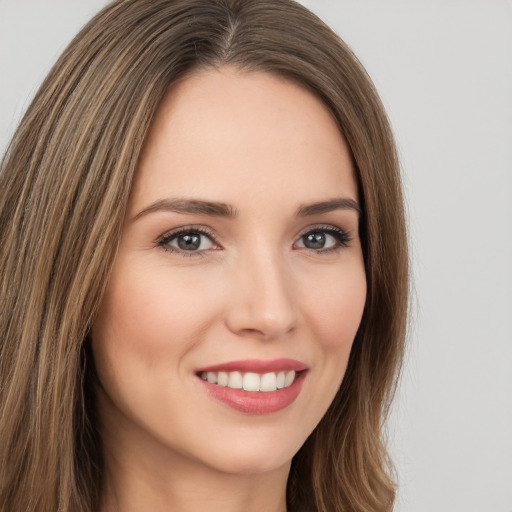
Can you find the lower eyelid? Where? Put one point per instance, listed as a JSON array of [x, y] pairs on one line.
[[165, 240], [341, 237]]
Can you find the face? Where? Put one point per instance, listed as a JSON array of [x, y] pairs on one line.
[[239, 284]]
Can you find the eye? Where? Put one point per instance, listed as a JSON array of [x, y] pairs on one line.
[[189, 240], [323, 239]]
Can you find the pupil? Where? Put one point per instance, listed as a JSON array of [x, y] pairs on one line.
[[189, 242], [315, 241]]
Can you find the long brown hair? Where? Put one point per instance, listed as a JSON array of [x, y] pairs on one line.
[[64, 185]]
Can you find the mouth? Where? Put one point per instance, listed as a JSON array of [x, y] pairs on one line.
[[255, 386], [250, 381]]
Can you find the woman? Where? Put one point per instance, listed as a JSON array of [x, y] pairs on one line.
[[204, 269]]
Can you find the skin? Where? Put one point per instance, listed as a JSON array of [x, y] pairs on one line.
[[253, 290]]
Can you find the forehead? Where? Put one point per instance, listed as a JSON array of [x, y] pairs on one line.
[[224, 134]]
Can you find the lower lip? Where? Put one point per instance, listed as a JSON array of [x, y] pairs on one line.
[[256, 402]]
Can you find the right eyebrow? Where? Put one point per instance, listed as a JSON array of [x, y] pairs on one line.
[[188, 206], [337, 203]]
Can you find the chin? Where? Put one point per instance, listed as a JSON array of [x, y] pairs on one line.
[[254, 463], [256, 455]]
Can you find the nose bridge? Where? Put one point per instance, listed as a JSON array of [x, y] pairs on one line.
[[263, 303]]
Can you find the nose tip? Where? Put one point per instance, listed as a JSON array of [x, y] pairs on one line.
[[267, 325], [262, 304]]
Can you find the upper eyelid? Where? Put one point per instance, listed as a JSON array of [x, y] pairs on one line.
[[186, 229], [344, 234], [322, 227], [162, 242], [206, 231], [210, 232]]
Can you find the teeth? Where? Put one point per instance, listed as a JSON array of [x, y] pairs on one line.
[[235, 380], [290, 377], [268, 382], [222, 379], [251, 381]]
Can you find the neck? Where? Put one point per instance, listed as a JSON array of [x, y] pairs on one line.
[[194, 491], [189, 487]]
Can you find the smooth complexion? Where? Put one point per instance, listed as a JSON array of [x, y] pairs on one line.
[[253, 174]]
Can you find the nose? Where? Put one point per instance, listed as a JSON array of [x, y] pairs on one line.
[[261, 298]]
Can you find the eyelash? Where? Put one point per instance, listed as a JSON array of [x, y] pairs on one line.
[[164, 241], [342, 238]]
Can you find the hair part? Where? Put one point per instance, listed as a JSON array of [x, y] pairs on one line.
[[64, 186]]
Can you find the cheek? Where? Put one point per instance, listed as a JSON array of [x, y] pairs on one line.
[[336, 308], [333, 314], [145, 326], [128, 322], [144, 310], [148, 322]]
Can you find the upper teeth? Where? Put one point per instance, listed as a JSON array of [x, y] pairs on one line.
[[251, 381]]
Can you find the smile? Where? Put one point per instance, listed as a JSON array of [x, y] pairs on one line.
[[266, 382], [255, 386]]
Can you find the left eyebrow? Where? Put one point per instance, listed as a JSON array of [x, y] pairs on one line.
[[338, 203], [189, 206]]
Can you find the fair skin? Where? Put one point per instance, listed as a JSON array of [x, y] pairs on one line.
[[261, 276]]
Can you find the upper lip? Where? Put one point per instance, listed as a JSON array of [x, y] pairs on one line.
[[256, 366]]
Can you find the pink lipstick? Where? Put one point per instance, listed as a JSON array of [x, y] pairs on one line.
[[254, 386]]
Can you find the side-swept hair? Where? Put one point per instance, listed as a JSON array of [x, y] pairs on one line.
[[64, 186]]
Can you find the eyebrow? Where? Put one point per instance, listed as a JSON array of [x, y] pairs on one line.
[[217, 209], [338, 203], [189, 206]]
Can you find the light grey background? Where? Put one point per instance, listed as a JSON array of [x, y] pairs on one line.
[[444, 71]]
